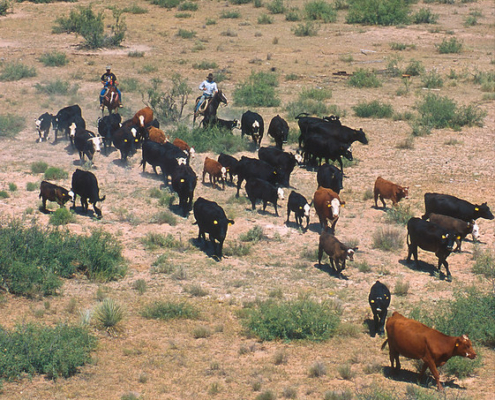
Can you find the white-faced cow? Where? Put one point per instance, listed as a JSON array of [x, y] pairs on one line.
[[43, 124], [64, 118], [337, 252], [298, 204]]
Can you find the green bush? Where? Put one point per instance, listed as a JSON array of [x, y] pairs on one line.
[[188, 6], [37, 349], [320, 10], [129, 85], [4, 194], [39, 167], [425, 16], [315, 94], [205, 65], [166, 3], [135, 9], [55, 173], [170, 310], [265, 19], [258, 90], [449, 46], [364, 78], [292, 320], [414, 68], [373, 109], [306, 29], [239, 2], [400, 214], [4, 7], [57, 87], [486, 80], [432, 80], [276, 7], [254, 235], [62, 216], [292, 15], [15, 71], [388, 239], [378, 12], [11, 125], [32, 186], [54, 59], [230, 14], [109, 314], [185, 34], [309, 106], [485, 264], [398, 46]]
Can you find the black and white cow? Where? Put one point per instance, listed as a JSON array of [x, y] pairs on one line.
[[87, 143], [253, 168], [64, 118], [85, 184], [429, 237], [252, 124], [259, 189], [230, 163], [184, 181], [43, 124], [329, 176], [450, 205], [298, 204], [107, 126], [282, 161], [166, 156], [379, 299], [279, 130], [78, 124], [211, 219]]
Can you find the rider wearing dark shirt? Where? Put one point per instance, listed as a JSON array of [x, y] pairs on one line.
[[109, 78]]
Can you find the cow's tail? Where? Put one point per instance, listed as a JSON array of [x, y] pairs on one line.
[[384, 343], [103, 198]]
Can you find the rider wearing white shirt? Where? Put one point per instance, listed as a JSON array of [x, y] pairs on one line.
[[209, 88]]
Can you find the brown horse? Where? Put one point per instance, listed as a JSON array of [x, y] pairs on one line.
[[111, 100], [209, 108]]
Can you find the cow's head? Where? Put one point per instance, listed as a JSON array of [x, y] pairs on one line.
[[280, 194], [256, 127], [134, 132], [334, 205], [464, 347], [236, 124], [192, 152], [348, 153], [402, 192], [448, 240], [361, 136], [96, 143], [70, 193], [181, 161], [299, 158], [306, 209], [72, 130], [141, 121], [483, 211], [350, 254], [223, 171], [475, 230]]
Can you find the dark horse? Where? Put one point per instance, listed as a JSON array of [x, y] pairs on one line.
[[209, 108], [111, 99]]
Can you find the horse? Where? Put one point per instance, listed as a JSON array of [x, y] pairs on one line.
[[209, 107], [111, 99]]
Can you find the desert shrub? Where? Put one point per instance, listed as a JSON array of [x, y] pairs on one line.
[[166, 310], [378, 12], [317, 370], [373, 109], [153, 241], [109, 314], [448, 46], [186, 34], [140, 286], [388, 239], [310, 106], [135, 9], [254, 235], [276, 7], [306, 29], [135, 54], [31, 186], [363, 266], [230, 14], [345, 372], [38, 349], [470, 20], [414, 68], [293, 15], [432, 80], [164, 217], [424, 16], [485, 264], [319, 10], [188, 6], [55, 173], [258, 90], [486, 80], [4, 7], [315, 94], [196, 291], [62, 216], [54, 59], [205, 65], [266, 395], [237, 249], [400, 214], [398, 46], [265, 19], [166, 3], [363, 78], [201, 332], [15, 71], [470, 115], [291, 320], [401, 287], [11, 125], [129, 85], [39, 167], [4, 194], [56, 87]]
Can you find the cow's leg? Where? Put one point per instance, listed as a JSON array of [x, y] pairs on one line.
[[383, 316], [276, 210], [429, 363], [375, 323], [288, 214], [320, 254], [383, 201], [376, 198], [44, 203]]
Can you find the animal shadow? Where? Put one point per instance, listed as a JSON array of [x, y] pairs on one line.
[[428, 380], [294, 225], [371, 327], [314, 227], [206, 246], [80, 211], [424, 267], [330, 271]]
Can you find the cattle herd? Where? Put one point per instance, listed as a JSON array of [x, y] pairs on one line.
[[446, 222]]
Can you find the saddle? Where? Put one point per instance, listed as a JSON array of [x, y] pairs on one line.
[[107, 95], [204, 105]]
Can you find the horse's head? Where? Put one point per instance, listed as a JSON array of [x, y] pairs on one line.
[[221, 97]]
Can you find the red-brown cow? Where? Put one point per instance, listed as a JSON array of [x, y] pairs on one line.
[[181, 144], [412, 339], [390, 191], [143, 117], [327, 205], [156, 135], [215, 170]]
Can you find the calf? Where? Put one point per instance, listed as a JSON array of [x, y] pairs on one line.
[[388, 190], [125, 139], [278, 130], [330, 177], [455, 207], [49, 191], [284, 162], [379, 299], [85, 184], [260, 189], [230, 163], [337, 252], [184, 182], [181, 144], [87, 143], [299, 205], [252, 124], [43, 124], [107, 126], [460, 227], [412, 339], [211, 219], [254, 168], [156, 135], [222, 123], [327, 205], [215, 170], [429, 237]]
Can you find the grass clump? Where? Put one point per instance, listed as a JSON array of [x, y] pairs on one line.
[[432, 80], [258, 90], [15, 71], [186, 34], [293, 14], [54, 59], [57, 87], [319, 10], [135, 9], [38, 349], [31, 186], [140, 286], [449, 46], [424, 16], [484, 264], [205, 65], [401, 288], [345, 372], [306, 29], [388, 239], [414, 68], [276, 7], [378, 12], [4, 194], [109, 315], [153, 241], [11, 125], [188, 6], [363, 78], [166, 310], [373, 109], [317, 370], [318, 94], [55, 173], [254, 235], [62, 216], [265, 19], [230, 15], [400, 214], [292, 320]]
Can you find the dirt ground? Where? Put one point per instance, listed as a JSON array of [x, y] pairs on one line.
[[163, 360]]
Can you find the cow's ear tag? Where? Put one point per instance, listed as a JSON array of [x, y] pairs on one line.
[[182, 181], [444, 237], [343, 205], [300, 208], [329, 206], [215, 222], [125, 140], [372, 301], [458, 238], [476, 209], [386, 297], [457, 345]]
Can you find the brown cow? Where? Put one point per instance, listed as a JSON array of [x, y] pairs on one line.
[[412, 339], [49, 191], [337, 251], [156, 135], [143, 117], [462, 228], [388, 190], [181, 144], [327, 205], [215, 170]]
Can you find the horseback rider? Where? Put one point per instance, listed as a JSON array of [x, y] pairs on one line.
[[209, 88], [109, 79]]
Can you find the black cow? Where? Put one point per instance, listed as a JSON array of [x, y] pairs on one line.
[[230, 163], [253, 168], [252, 124], [64, 118], [265, 191], [184, 182], [429, 237], [87, 143], [319, 147], [222, 123], [125, 139], [379, 300], [107, 126], [301, 208], [43, 124], [305, 121], [330, 177], [49, 191], [282, 161], [450, 205], [279, 130], [85, 184], [166, 156], [211, 219]]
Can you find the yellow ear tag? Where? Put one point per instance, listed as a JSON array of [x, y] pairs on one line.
[[444, 237], [125, 140], [329, 205], [300, 208], [182, 181], [343, 205], [476, 209], [229, 224], [457, 345], [136, 140], [458, 238], [215, 222], [275, 172], [372, 301]]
